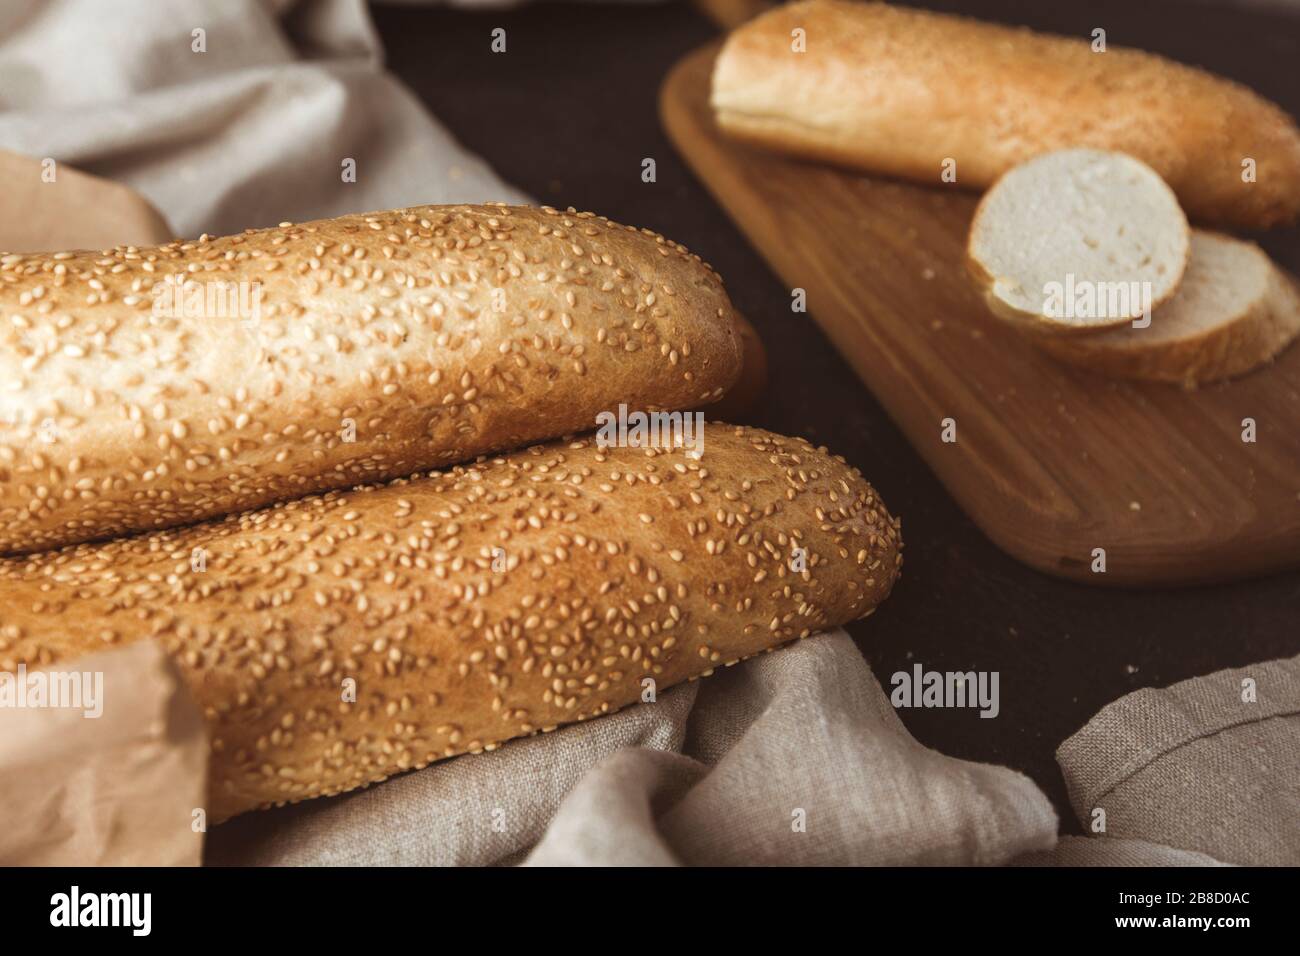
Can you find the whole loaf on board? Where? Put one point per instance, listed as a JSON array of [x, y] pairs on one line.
[[345, 351], [486, 602], [901, 92]]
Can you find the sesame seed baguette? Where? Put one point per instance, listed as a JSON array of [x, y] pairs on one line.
[[382, 345], [899, 91], [616, 565]]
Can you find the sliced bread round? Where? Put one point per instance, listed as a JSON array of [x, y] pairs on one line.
[[1233, 311], [1078, 240]]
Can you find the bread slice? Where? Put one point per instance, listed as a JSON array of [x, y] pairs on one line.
[[1078, 240], [1233, 311]]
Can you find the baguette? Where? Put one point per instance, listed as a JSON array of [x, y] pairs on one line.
[[899, 91], [1078, 240], [1234, 311], [615, 565], [380, 345]]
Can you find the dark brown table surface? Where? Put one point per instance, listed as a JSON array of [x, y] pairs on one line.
[[569, 113]]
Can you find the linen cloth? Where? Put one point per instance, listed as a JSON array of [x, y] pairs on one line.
[[1108, 851], [1203, 765], [792, 757], [252, 132]]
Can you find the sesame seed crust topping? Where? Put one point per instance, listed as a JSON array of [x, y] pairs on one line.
[[382, 344], [469, 606]]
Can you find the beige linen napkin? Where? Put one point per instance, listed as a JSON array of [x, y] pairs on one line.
[[1210, 765], [1107, 851], [793, 757], [254, 130]]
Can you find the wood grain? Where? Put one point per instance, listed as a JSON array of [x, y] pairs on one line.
[[1050, 461]]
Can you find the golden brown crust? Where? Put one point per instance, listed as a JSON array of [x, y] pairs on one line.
[[1039, 326], [438, 332], [898, 91], [619, 564], [1234, 347], [749, 388]]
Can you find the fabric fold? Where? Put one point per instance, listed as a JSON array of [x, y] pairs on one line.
[[794, 757], [285, 114], [1210, 765]]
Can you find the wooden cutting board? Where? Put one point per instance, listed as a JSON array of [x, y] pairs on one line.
[[1050, 461]]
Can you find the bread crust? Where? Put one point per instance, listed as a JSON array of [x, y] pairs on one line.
[[1236, 345], [897, 91], [751, 385], [616, 565], [438, 333], [1036, 324]]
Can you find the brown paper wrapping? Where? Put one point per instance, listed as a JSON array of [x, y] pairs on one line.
[[120, 789], [74, 211]]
